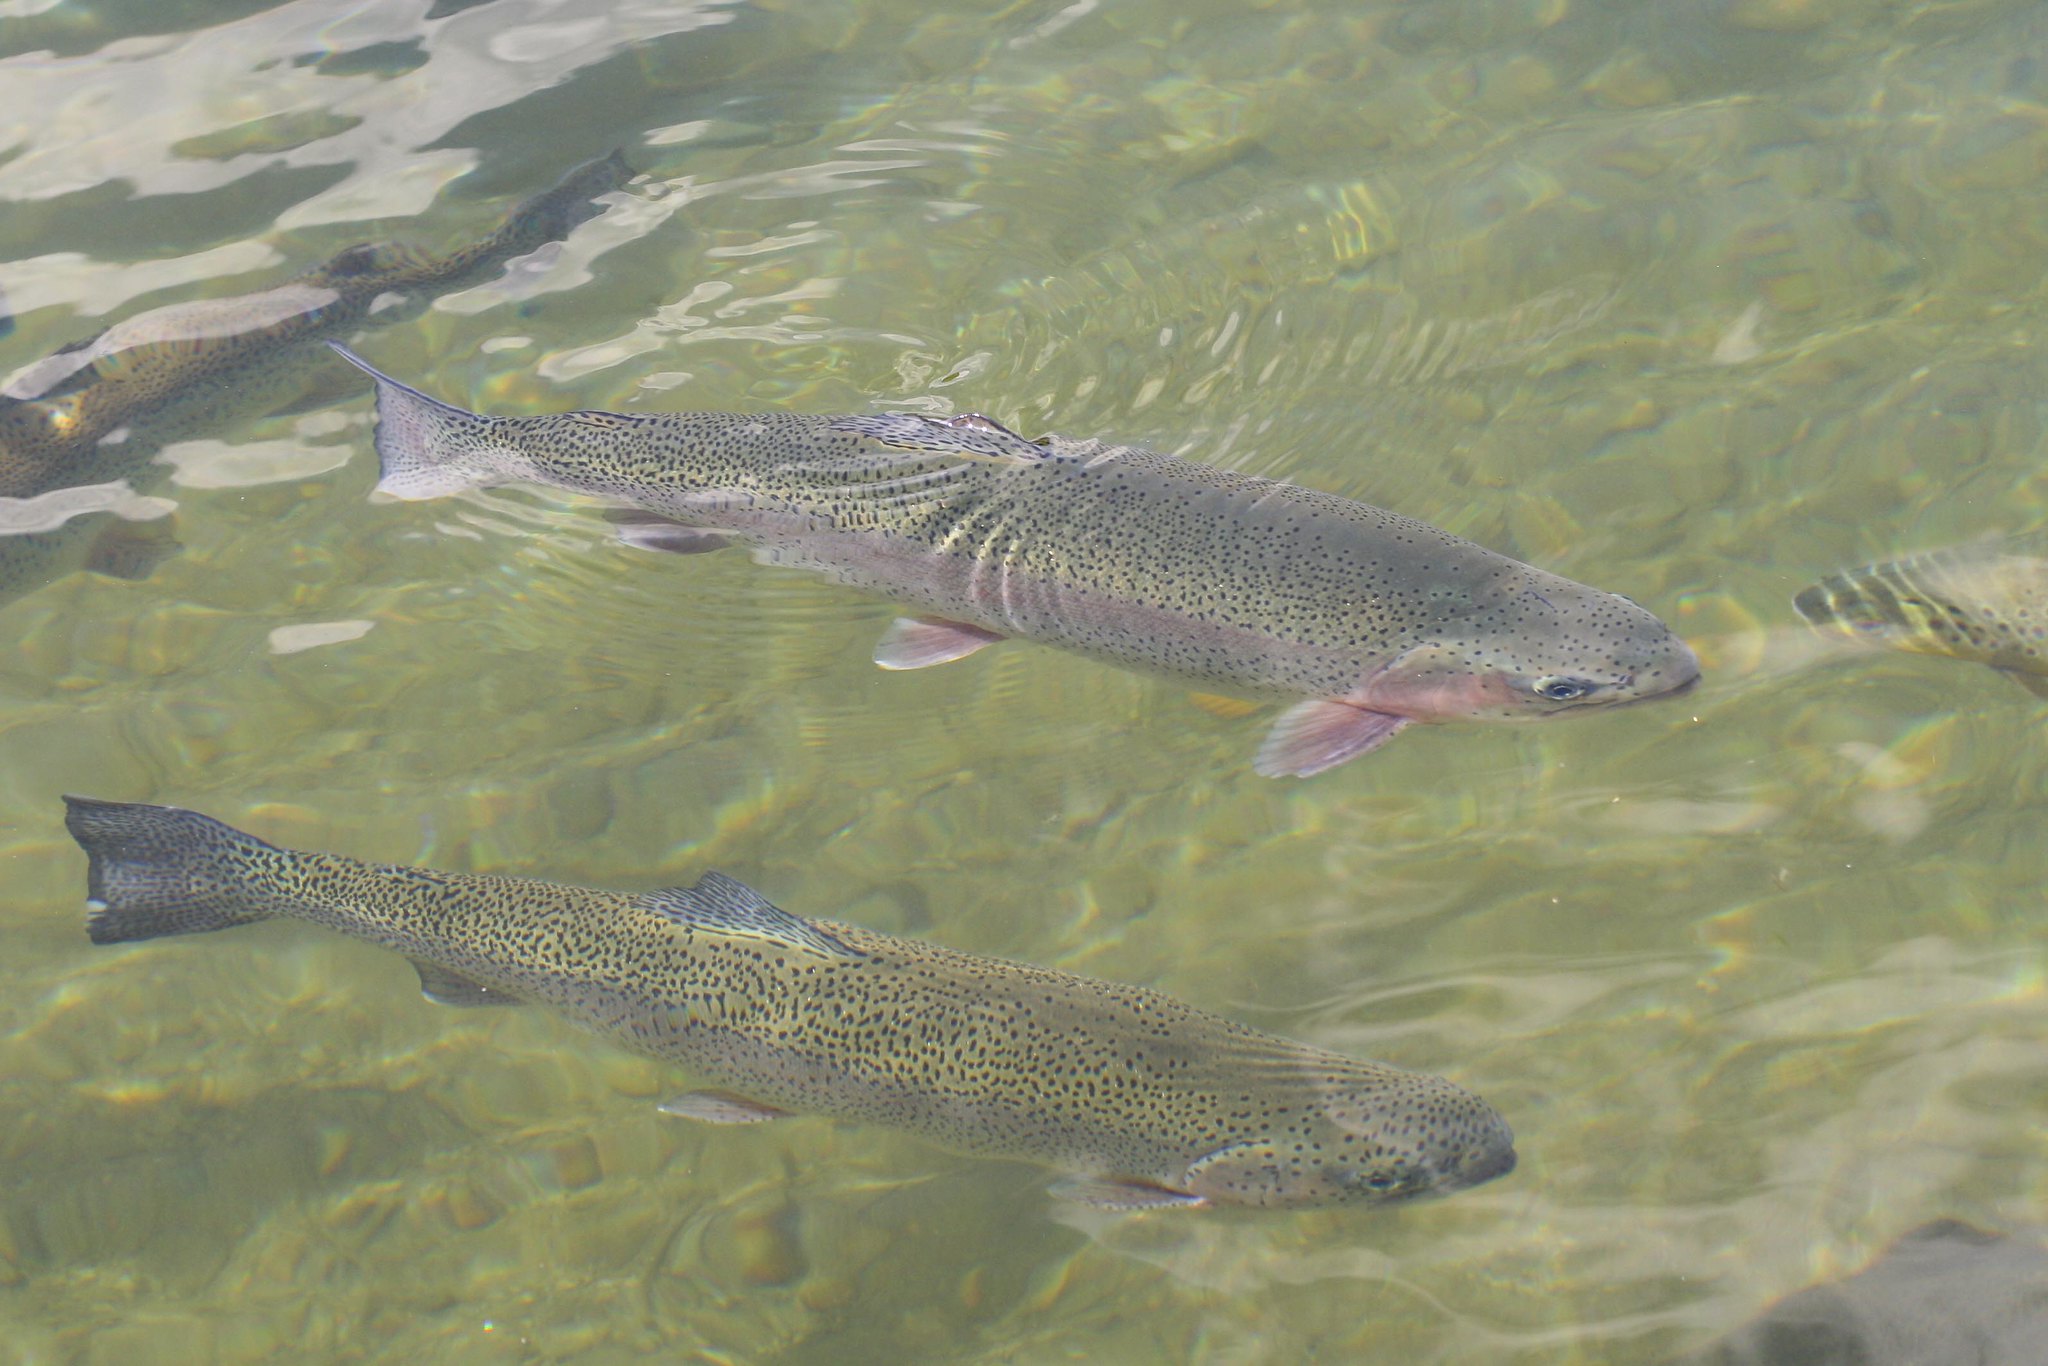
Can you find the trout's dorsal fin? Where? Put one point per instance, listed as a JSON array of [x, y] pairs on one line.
[[723, 905], [969, 436]]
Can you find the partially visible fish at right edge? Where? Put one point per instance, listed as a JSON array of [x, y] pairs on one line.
[[1986, 602]]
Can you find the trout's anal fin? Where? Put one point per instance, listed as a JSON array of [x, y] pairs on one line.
[[446, 987], [919, 643], [645, 531], [1111, 1192], [2033, 683], [720, 1107], [720, 905], [1318, 734]]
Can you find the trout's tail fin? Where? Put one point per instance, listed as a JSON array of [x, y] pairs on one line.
[[427, 448], [157, 870]]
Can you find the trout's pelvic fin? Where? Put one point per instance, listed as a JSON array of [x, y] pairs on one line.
[[1113, 1192], [969, 436], [920, 642], [446, 987], [720, 1107], [718, 904], [645, 531], [1318, 734]]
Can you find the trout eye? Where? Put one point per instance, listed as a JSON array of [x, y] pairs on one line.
[[1562, 689]]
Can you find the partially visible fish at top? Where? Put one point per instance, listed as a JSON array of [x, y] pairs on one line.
[[95, 414], [1986, 602], [1365, 620]]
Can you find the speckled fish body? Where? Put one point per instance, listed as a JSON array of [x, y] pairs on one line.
[[1366, 619], [95, 414], [1144, 1100], [1987, 603]]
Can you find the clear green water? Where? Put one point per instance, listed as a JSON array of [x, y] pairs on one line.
[[1694, 302]]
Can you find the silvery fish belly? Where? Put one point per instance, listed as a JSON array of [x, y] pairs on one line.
[[1366, 620], [1144, 1101], [1986, 602]]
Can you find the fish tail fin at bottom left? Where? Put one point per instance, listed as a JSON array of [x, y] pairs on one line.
[[427, 448], [159, 870]]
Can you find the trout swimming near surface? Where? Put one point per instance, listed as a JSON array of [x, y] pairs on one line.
[[1987, 603], [1365, 620], [77, 423], [1146, 1102]]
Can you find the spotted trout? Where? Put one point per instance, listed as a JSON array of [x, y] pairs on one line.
[[1365, 620], [1987, 603], [77, 423], [1146, 1102]]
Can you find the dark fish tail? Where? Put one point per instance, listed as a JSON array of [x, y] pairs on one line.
[[157, 870], [546, 217], [550, 215]]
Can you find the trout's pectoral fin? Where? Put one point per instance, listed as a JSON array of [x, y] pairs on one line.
[[445, 987], [1116, 1192], [919, 643], [2033, 683], [1318, 734], [645, 531], [720, 1107]]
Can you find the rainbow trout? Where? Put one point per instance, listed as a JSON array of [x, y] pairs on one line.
[[1146, 1101], [1366, 620], [93, 415], [1986, 602]]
